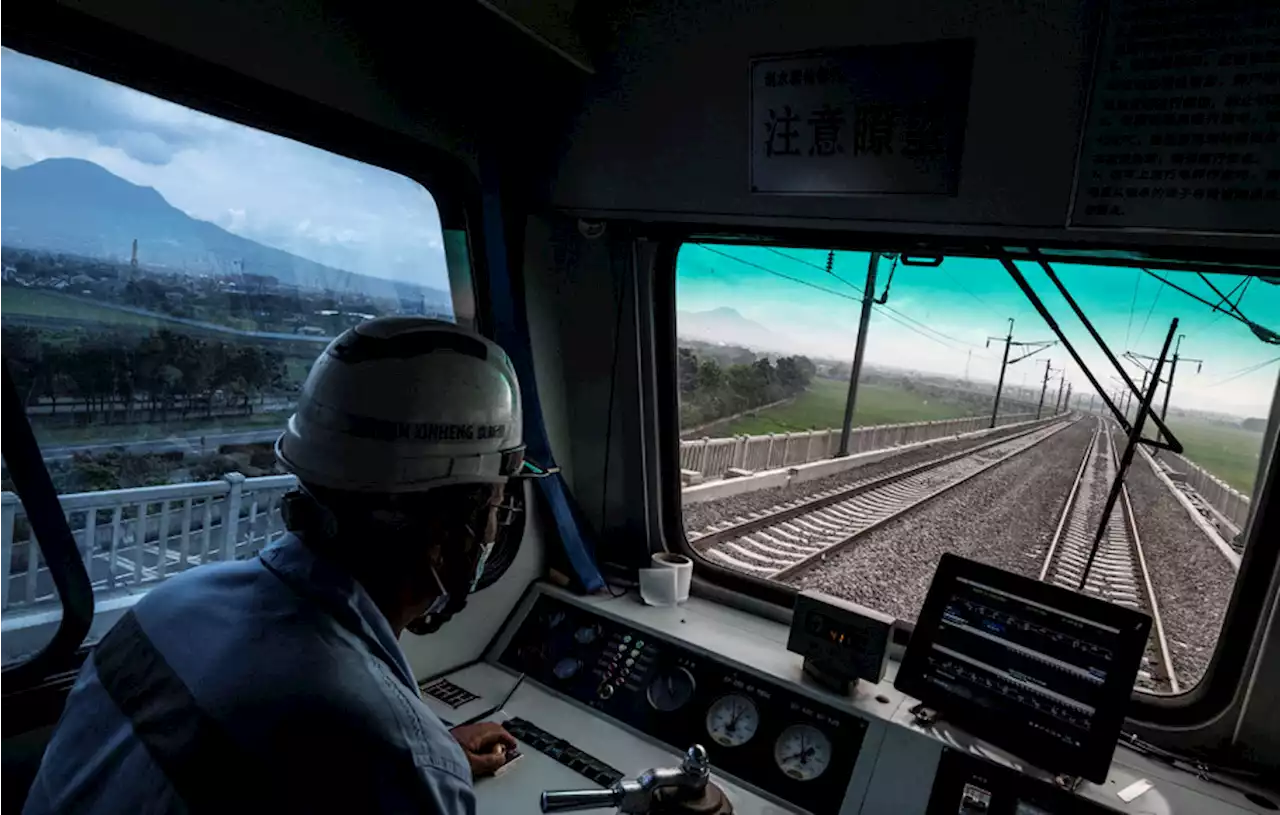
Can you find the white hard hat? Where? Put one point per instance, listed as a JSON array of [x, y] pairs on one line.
[[403, 404]]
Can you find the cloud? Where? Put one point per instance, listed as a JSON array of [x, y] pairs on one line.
[[48, 96], [260, 186]]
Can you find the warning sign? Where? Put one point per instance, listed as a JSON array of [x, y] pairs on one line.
[[1184, 119], [860, 120]]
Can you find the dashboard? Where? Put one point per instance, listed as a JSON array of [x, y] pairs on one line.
[[599, 688], [796, 749]]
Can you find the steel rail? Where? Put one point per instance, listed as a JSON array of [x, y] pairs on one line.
[[713, 535], [913, 503]]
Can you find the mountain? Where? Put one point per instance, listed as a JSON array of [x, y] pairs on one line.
[[725, 326], [76, 207]]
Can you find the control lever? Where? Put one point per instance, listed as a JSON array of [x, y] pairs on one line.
[[670, 784]]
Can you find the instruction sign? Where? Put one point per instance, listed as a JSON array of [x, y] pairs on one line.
[[856, 121], [1184, 119]]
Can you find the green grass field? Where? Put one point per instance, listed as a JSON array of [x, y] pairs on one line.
[[823, 406], [142, 431], [1230, 453], [52, 305]]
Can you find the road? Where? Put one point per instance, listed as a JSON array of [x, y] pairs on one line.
[[45, 407], [195, 444]]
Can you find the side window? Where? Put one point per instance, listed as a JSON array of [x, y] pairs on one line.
[[168, 279], [938, 462]]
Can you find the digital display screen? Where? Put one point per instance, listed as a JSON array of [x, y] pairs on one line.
[[841, 638], [1039, 670], [834, 633]]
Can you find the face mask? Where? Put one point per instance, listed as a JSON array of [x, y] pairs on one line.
[[442, 599]]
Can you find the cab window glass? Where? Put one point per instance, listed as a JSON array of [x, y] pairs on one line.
[[168, 279], [765, 343]]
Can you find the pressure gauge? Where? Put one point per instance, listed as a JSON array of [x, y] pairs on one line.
[[803, 752], [732, 720], [671, 689]]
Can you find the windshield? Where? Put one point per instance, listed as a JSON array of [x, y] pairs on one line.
[[935, 462]]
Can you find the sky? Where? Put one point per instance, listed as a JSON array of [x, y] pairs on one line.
[[941, 318], [276, 191]]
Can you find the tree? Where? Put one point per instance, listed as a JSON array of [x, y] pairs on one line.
[[686, 370], [710, 376], [22, 352]]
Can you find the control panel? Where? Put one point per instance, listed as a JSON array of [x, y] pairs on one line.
[[965, 785], [775, 739]]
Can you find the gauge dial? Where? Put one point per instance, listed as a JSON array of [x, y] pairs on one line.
[[802, 752], [587, 634], [671, 689], [567, 668], [732, 720]]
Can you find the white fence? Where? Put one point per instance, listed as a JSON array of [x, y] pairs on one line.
[[713, 458], [1233, 504], [132, 538]]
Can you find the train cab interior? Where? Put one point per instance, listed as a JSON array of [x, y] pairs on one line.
[[899, 379]]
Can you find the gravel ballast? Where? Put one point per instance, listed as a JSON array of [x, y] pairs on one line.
[[1192, 579], [1004, 517], [701, 515]]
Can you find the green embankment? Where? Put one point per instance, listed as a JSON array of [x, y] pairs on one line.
[[1230, 453], [822, 405], [51, 305]]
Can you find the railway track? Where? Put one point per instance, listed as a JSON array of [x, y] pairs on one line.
[[789, 538], [1119, 572]]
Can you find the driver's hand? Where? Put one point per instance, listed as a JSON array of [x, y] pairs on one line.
[[486, 745]]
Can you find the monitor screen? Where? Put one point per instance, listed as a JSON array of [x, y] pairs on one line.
[[1030, 667]]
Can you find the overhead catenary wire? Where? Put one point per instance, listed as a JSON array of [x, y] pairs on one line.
[[1225, 298], [1133, 304], [891, 312], [1150, 311], [1245, 371], [1261, 332], [965, 288], [898, 317]]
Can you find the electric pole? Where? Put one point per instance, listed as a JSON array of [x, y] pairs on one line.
[[1036, 347], [1057, 401], [1044, 386], [1004, 363], [1066, 403], [1173, 369], [1092, 396], [968, 358], [868, 297]]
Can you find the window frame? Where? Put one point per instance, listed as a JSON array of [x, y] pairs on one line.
[[83, 43], [1255, 582]]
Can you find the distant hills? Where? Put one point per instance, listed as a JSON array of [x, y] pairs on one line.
[[71, 206], [725, 326]]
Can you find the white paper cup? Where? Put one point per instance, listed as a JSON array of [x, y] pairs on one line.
[[682, 566], [658, 586]]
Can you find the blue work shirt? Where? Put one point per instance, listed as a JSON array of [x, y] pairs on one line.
[[298, 667]]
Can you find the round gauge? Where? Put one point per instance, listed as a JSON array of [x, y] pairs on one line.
[[671, 689], [566, 668], [732, 720], [802, 752], [587, 634]]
